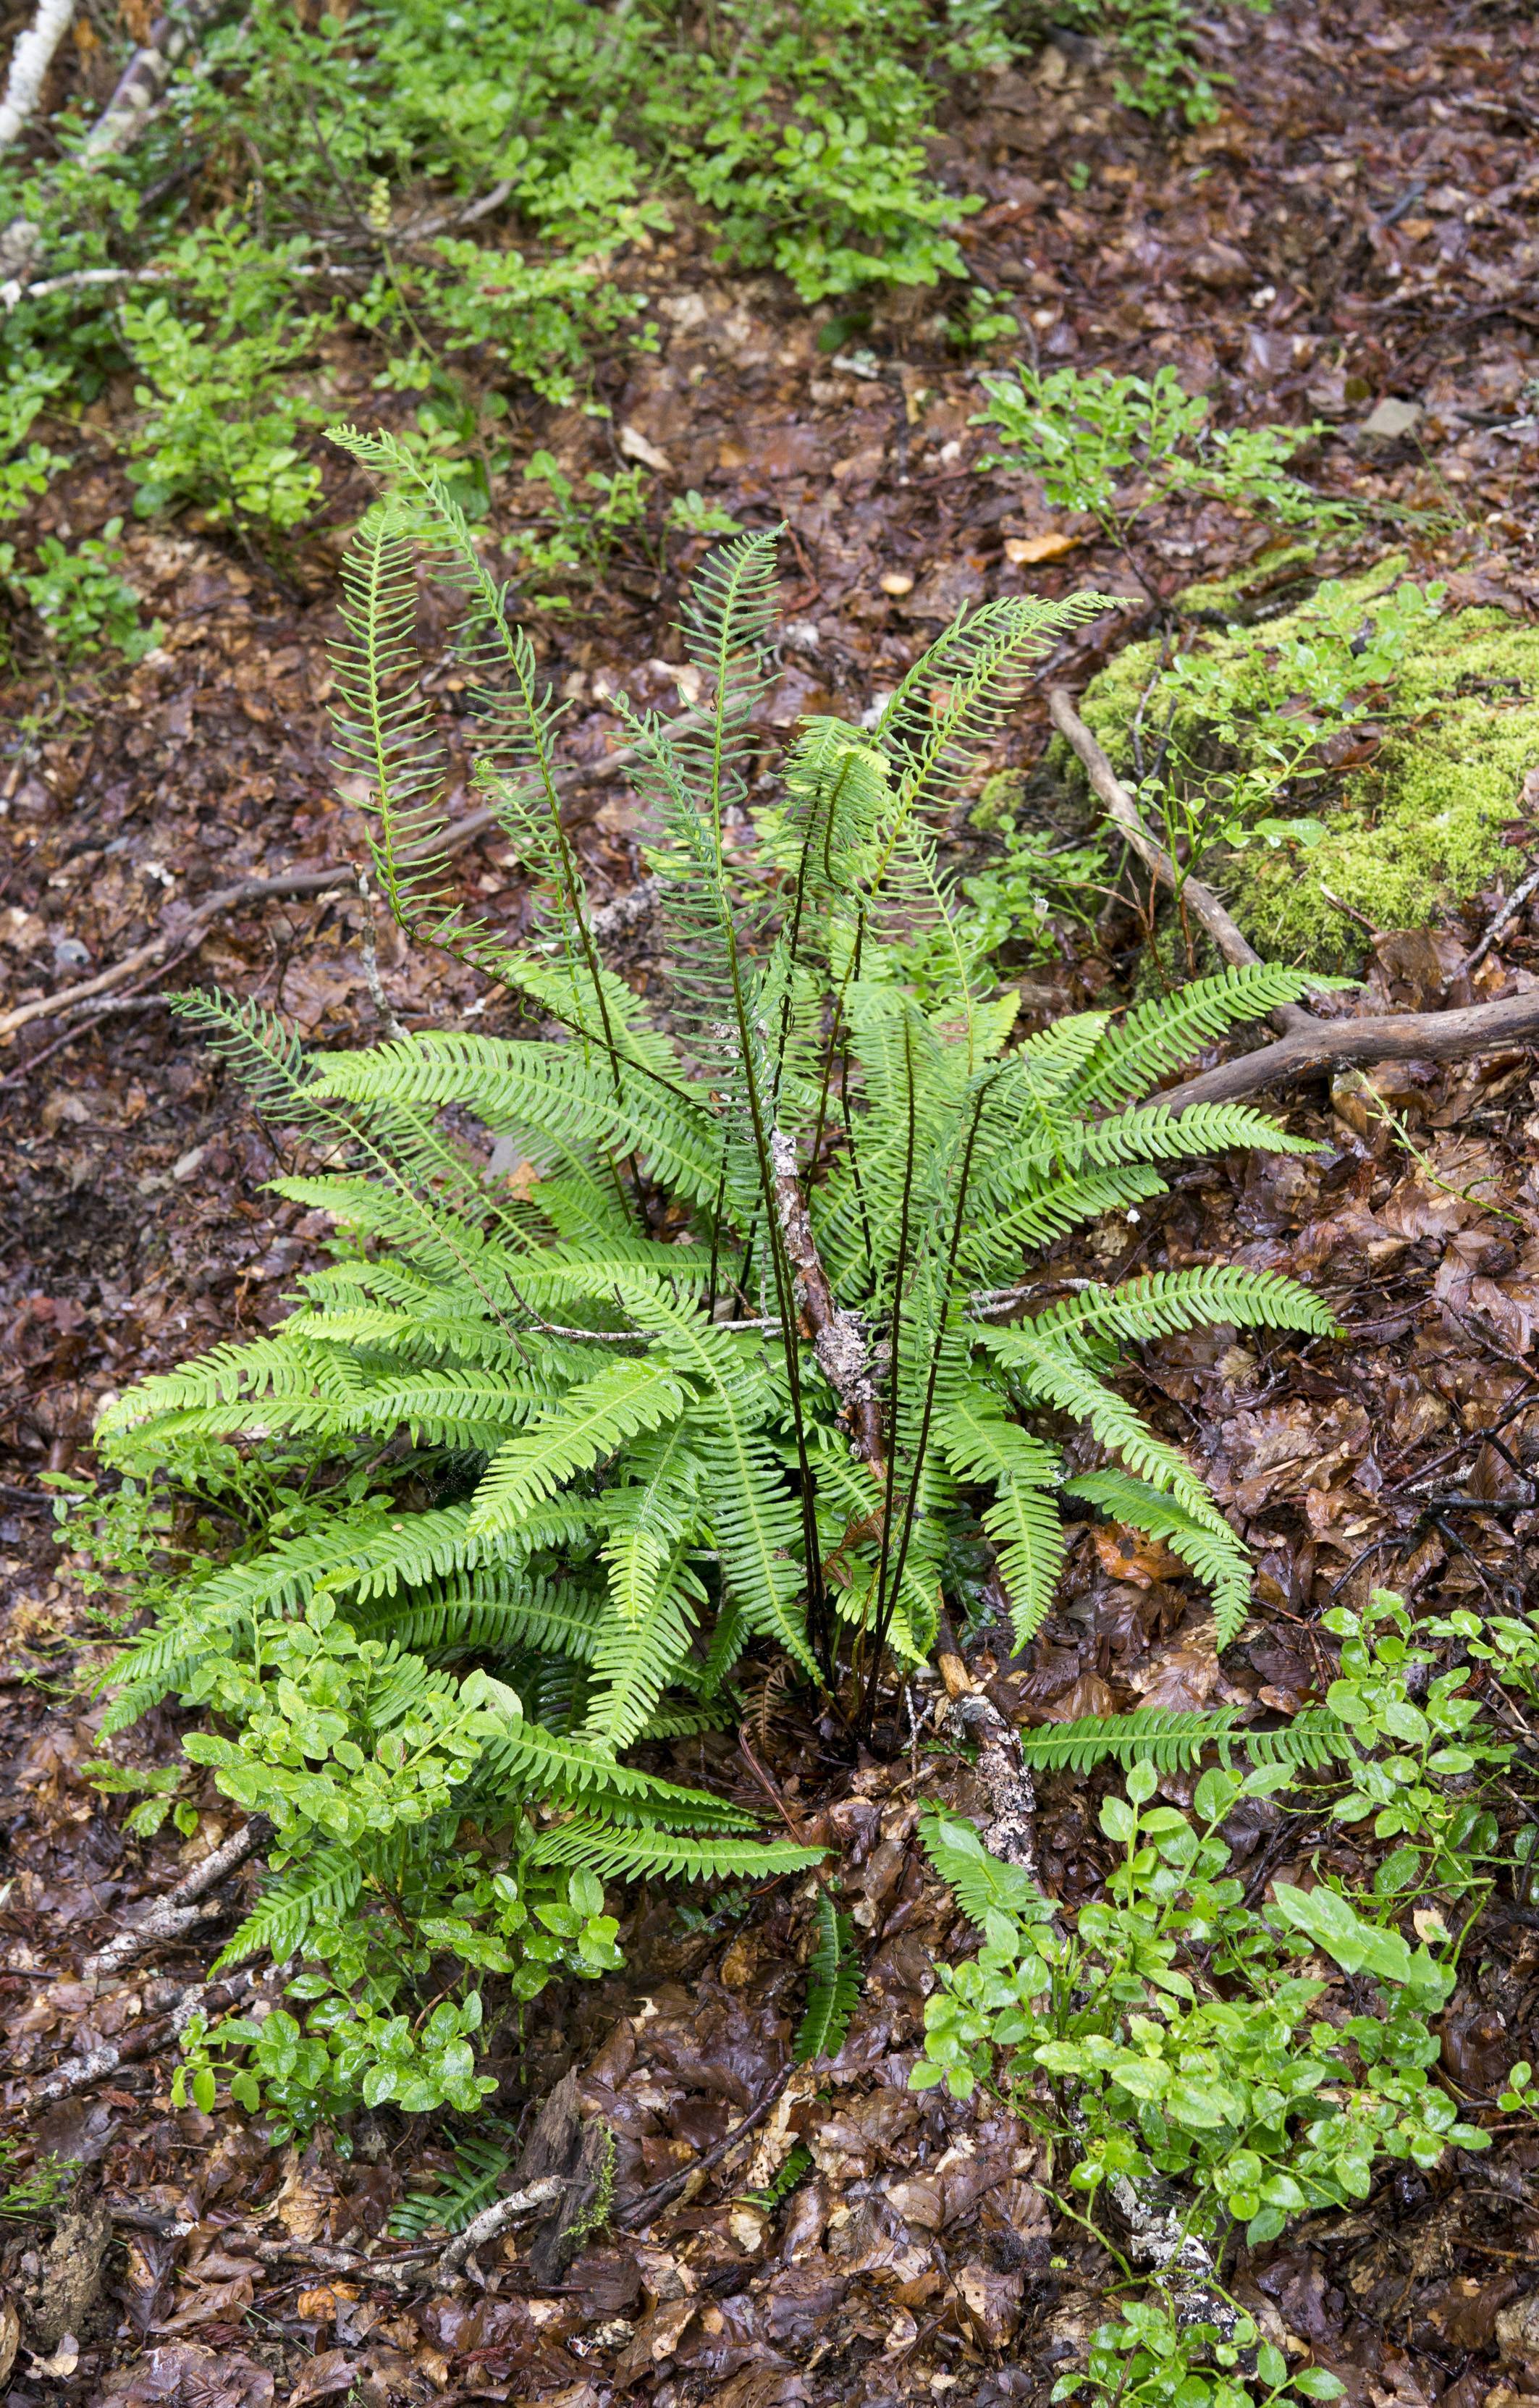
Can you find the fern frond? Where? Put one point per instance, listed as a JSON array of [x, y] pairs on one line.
[[589, 1423], [1137, 1052], [981, 664], [982, 1884], [1051, 1375], [482, 2158], [1174, 1742], [264, 1055], [618, 1855], [1019, 1167], [490, 1613], [754, 1519], [1221, 1563], [833, 1986], [564, 1768], [323, 1888], [994, 1249], [653, 1602], [557, 1094], [1159, 1304], [1029, 1541]]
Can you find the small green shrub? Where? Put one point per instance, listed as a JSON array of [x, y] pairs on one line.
[[460, 188], [1164, 2034], [1111, 445], [1217, 2087], [222, 415], [1160, 53], [1153, 2357], [82, 601]]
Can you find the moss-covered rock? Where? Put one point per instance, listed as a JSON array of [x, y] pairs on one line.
[[1416, 830]]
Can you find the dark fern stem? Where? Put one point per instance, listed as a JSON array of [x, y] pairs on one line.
[[882, 1620], [942, 1320]]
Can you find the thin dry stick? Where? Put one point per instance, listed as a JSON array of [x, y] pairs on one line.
[[150, 2040], [191, 930], [638, 2211], [492, 2222], [1503, 920], [144, 80], [1307, 1044], [168, 1917], [1121, 808], [1383, 1036]]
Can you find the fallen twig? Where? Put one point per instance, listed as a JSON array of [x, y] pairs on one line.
[[1308, 1043], [1200, 900], [1503, 920], [29, 64], [78, 2073], [191, 930], [170, 1916], [494, 2221], [639, 2210], [838, 1340], [142, 84], [1381, 1037]]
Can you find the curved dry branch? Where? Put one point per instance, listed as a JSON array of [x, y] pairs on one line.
[[189, 933], [1307, 1044], [1382, 1036]]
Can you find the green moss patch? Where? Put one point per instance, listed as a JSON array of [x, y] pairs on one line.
[[1415, 831]]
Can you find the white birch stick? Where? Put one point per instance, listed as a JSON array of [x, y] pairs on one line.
[[29, 64]]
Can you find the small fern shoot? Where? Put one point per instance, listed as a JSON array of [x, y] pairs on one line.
[[833, 1986]]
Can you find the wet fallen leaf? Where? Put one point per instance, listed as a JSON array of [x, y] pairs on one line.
[[59, 2363], [1024, 551]]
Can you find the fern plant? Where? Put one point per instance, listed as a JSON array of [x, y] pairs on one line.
[[747, 1342]]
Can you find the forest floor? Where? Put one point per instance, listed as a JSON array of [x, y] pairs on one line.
[[1357, 226]]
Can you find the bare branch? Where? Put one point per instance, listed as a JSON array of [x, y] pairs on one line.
[[494, 2221], [1382, 1036], [1200, 900], [1307, 1044], [170, 1916], [143, 82], [29, 64], [838, 1340], [191, 930]]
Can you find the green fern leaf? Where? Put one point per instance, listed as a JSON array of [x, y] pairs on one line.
[[482, 2158], [589, 1423], [833, 1986], [323, 1888], [982, 1884], [619, 1854], [1137, 1052], [1222, 1563], [1174, 1742]]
